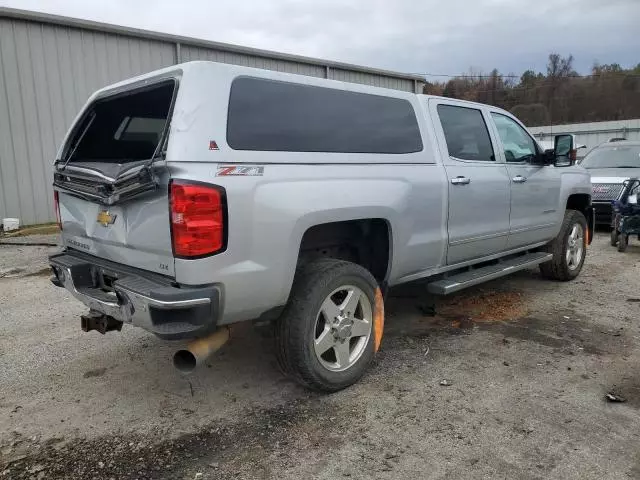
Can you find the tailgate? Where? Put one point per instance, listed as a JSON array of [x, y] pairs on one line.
[[110, 180], [135, 233]]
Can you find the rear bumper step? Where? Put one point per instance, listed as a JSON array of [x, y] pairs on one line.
[[475, 276], [137, 297]]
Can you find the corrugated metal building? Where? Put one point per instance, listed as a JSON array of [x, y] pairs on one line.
[[591, 134], [49, 65]]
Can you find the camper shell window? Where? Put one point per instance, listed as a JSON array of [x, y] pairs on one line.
[[123, 128]]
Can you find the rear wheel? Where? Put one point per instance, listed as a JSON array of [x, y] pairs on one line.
[[569, 248], [326, 337]]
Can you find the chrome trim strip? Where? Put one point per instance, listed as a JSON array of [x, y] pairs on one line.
[[535, 227], [70, 169], [192, 302], [481, 237]]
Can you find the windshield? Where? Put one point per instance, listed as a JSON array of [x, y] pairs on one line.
[[627, 156]]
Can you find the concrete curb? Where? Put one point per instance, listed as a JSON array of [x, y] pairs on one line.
[[36, 240]]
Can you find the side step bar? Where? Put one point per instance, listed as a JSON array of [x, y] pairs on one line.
[[468, 278]]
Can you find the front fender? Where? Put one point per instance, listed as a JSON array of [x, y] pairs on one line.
[[574, 180]]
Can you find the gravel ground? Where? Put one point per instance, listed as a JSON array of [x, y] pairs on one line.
[[527, 364]]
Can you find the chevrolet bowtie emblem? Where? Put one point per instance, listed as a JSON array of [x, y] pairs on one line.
[[105, 218]]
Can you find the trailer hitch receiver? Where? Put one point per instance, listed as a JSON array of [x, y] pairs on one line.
[[100, 322]]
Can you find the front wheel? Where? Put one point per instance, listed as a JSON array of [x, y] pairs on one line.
[[327, 335], [623, 242], [569, 248], [614, 237]]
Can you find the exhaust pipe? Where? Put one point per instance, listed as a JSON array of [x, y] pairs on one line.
[[198, 350]]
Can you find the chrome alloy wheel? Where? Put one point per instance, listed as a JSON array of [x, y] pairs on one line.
[[343, 327], [575, 247]]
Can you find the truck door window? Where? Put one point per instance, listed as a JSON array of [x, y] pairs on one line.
[[517, 143], [466, 133]]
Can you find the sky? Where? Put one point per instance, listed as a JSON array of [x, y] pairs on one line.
[[447, 37]]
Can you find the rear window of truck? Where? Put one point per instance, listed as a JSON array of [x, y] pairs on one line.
[[270, 115], [123, 128]]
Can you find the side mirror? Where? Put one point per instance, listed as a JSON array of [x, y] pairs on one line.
[[548, 157], [564, 150]]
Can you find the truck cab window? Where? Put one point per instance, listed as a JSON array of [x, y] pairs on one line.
[[518, 145], [466, 133]]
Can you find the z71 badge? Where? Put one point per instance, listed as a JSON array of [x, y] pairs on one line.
[[239, 171]]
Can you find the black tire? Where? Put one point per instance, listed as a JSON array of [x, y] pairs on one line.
[[614, 237], [623, 242], [558, 268], [295, 329]]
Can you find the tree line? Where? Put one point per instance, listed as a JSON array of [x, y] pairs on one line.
[[609, 92]]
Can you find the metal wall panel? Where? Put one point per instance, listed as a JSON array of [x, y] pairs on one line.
[[375, 80], [47, 73], [189, 53], [591, 134], [49, 65]]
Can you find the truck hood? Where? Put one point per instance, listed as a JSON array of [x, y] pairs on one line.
[[612, 175]]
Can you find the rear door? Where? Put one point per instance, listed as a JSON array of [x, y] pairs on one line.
[[535, 189], [110, 152], [478, 220]]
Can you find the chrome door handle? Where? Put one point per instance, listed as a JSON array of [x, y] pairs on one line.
[[461, 181], [519, 179]]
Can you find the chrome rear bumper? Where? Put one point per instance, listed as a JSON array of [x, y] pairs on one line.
[[136, 297]]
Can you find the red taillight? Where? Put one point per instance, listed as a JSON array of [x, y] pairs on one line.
[[197, 219], [56, 203]]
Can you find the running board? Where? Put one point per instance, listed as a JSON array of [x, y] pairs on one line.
[[479, 275]]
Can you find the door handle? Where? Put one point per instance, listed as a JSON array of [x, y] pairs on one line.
[[461, 181], [519, 179]]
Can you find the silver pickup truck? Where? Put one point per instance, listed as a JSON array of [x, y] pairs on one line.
[[206, 194]]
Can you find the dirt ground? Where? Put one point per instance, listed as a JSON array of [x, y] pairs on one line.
[[527, 363]]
